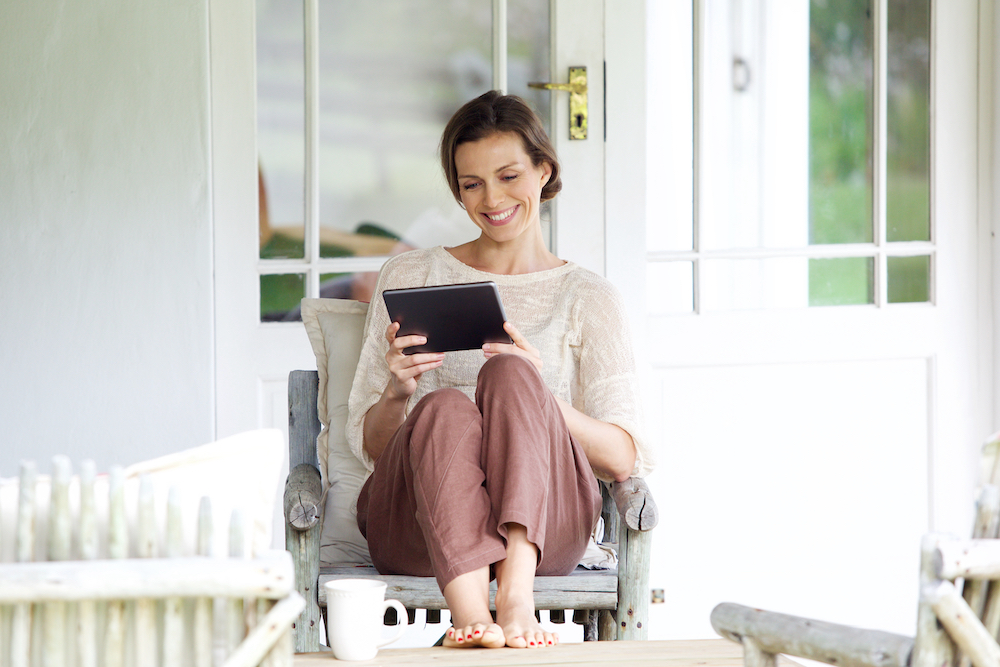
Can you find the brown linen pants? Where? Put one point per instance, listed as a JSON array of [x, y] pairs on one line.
[[456, 472]]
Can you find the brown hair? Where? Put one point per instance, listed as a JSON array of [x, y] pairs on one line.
[[494, 113]]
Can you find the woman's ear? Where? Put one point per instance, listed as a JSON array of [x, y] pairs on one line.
[[546, 173]]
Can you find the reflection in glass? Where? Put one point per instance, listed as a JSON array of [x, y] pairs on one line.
[[742, 284], [391, 74], [528, 54], [671, 288], [909, 279], [841, 281], [840, 121], [753, 132], [908, 121], [280, 127], [280, 296]]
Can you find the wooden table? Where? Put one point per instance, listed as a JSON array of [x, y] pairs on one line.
[[674, 653]]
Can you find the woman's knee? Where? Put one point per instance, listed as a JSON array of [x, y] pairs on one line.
[[449, 399], [508, 369]]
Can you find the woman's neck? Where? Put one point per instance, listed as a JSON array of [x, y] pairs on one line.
[[512, 258]]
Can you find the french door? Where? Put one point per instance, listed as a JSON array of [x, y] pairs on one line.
[[325, 130], [821, 389]]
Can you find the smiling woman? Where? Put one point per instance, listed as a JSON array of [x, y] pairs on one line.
[[512, 437]]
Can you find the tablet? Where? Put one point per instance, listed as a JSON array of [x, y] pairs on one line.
[[452, 317]]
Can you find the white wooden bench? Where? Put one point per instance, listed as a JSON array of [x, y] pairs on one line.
[[99, 595]]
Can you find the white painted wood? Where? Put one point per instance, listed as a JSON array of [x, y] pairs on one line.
[[70, 595], [579, 210], [834, 644], [970, 559], [717, 350], [263, 637], [932, 647], [86, 610], [962, 624], [114, 634], [203, 606], [754, 656]]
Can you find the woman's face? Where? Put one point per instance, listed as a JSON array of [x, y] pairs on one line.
[[500, 187]]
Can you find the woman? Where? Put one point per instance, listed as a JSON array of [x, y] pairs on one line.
[[484, 461]]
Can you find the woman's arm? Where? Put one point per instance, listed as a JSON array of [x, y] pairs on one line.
[[609, 448], [383, 418]]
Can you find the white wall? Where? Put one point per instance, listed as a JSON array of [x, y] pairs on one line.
[[105, 238]]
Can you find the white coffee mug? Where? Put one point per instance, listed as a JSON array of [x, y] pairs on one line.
[[354, 612]]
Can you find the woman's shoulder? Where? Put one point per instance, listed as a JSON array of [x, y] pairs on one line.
[[409, 268], [590, 285]]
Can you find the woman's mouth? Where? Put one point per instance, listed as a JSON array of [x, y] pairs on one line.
[[501, 217]]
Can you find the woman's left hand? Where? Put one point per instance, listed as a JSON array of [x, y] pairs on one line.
[[520, 347]]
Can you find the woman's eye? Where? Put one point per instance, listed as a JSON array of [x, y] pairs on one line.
[[509, 177], [469, 186]]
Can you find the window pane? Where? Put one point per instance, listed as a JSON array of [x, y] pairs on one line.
[[280, 296], [669, 132], [391, 74], [909, 279], [740, 284], [528, 54], [670, 288], [753, 125], [280, 126], [840, 127], [841, 281], [908, 120]]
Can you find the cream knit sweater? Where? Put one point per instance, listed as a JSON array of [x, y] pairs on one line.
[[573, 316]]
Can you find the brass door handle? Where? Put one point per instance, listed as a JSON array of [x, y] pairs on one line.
[[577, 89]]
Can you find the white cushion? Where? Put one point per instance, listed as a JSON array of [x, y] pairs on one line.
[[239, 472], [336, 330]]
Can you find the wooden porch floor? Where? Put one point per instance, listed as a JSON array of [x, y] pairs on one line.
[[674, 653]]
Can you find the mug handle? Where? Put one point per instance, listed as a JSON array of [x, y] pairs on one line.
[[400, 627]]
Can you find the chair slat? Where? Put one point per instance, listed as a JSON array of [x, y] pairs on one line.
[[173, 611], [985, 527], [962, 625], [114, 632], [932, 647], [235, 624], [203, 617], [145, 608], [86, 623], [22, 616], [55, 626]]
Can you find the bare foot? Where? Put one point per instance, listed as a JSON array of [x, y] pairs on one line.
[[515, 598], [471, 636], [520, 627], [468, 597]]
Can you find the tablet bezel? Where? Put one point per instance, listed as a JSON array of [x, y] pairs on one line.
[[452, 317]]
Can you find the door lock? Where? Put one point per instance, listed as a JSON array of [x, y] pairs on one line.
[[577, 89]]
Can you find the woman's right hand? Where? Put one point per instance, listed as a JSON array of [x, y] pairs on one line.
[[406, 369]]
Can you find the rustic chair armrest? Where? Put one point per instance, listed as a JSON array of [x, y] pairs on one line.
[[635, 504], [840, 645], [303, 497]]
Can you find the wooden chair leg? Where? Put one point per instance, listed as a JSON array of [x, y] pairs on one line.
[[755, 656]]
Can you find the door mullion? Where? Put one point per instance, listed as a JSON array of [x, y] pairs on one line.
[[500, 45], [311, 66], [880, 53]]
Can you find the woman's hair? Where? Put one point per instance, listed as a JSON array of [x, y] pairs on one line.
[[494, 113]]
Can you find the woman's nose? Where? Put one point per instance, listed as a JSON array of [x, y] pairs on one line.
[[493, 195]]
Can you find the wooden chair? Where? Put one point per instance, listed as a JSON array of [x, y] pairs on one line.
[[958, 619], [610, 604], [86, 603]]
